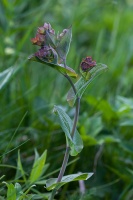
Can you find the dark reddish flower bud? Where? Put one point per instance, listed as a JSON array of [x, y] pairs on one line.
[[87, 64]]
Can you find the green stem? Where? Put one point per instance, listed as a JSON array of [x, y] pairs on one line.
[[52, 194], [76, 116], [71, 83], [66, 156], [64, 164]]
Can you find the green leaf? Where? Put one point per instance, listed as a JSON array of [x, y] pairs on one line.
[[20, 171], [24, 195], [52, 182], [107, 140], [51, 39], [42, 182], [128, 147], [2, 177], [18, 190], [89, 140], [126, 122], [125, 101], [36, 155], [63, 45], [118, 172], [5, 76], [109, 115], [38, 167], [75, 143], [39, 196], [82, 84], [59, 67], [8, 74], [11, 191]]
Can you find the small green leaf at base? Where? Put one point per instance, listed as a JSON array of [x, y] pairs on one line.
[[11, 191], [52, 182], [20, 171], [38, 167]]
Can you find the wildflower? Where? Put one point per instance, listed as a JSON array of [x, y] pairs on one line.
[[87, 64], [45, 53], [40, 38], [41, 30], [46, 26]]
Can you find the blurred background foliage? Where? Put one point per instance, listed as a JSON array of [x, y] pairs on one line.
[[101, 29]]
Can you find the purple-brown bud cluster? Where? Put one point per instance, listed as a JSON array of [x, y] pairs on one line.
[[45, 52], [87, 64]]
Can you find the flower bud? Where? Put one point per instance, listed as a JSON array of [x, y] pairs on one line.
[[87, 64], [45, 53], [38, 40], [52, 31], [41, 30], [47, 26], [62, 34]]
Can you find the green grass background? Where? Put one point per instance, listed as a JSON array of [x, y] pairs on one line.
[[101, 29]]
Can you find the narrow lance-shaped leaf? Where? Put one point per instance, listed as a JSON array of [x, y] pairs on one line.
[[20, 171], [36, 155], [5, 76], [25, 195], [52, 182], [75, 143], [82, 84], [38, 167]]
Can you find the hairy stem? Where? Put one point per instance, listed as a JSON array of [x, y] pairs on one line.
[[66, 156]]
